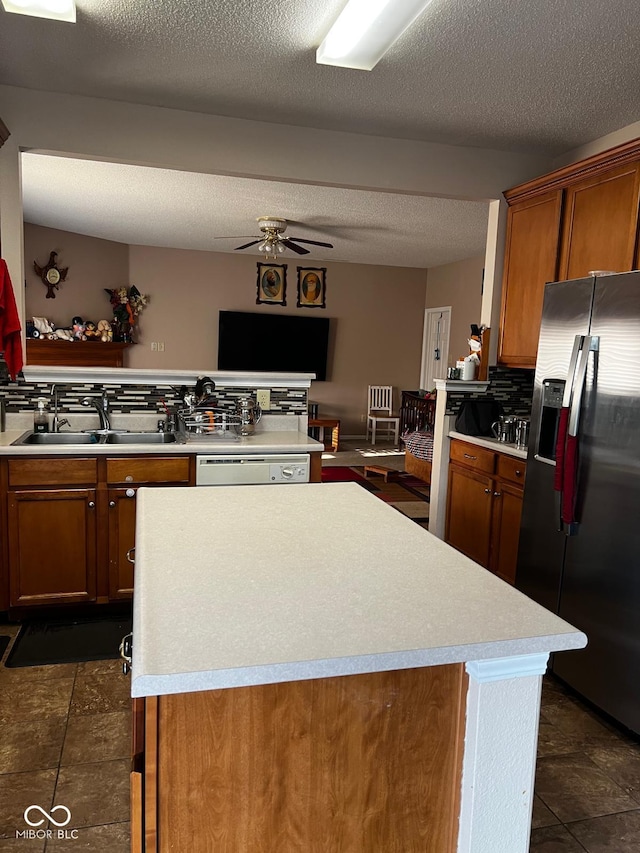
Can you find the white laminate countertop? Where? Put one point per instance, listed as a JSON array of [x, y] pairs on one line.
[[243, 585], [267, 441], [491, 443], [274, 434]]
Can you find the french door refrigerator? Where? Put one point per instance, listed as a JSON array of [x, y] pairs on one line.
[[579, 552]]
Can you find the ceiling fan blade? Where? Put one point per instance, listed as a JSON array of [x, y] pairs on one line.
[[298, 249], [234, 237], [312, 242], [246, 245]]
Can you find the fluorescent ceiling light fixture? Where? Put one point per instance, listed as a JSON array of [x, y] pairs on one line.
[[57, 10], [365, 30]]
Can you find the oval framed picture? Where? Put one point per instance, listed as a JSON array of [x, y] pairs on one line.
[[312, 287], [272, 284]]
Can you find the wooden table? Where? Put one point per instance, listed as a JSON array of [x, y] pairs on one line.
[[324, 424]]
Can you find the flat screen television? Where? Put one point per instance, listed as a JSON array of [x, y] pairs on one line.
[[279, 343]]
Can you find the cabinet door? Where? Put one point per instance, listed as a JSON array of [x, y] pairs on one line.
[[122, 533], [469, 513], [531, 260], [601, 222], [52, 546], [505, 530]]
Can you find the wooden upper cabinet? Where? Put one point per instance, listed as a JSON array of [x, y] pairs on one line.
[[531, 260], [560, 226], [601, 222]]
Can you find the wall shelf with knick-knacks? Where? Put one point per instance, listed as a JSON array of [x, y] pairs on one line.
[[76, 353]]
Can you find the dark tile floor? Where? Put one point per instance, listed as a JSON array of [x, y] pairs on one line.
[[587, 781], [65, 740]]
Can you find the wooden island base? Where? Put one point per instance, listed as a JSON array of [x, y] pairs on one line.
[[360, 763]]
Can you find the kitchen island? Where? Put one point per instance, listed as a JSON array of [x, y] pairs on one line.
[[315, 672]]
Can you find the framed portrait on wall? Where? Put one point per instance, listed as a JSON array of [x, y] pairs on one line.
[[272, 284], [312, 287]]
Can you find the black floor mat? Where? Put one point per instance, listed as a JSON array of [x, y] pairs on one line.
[[68, 641], [4, 642]]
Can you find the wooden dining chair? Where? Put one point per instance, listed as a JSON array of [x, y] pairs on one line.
[[380, 412]]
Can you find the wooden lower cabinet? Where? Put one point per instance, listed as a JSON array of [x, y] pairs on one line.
[[469, 513], [70, 524], [122, 535], [360, 762], [484, 506], [52, 546], [124, 475], [505, 530]]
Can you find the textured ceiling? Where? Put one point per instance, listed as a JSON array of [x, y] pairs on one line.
[[541, 76], [161, 207]]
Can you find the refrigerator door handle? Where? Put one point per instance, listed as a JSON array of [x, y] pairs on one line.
[[591, 344], [570, 475], [563, 425]]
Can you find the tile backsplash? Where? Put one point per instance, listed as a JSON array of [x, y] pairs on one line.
[[510, 386], [139, 399]]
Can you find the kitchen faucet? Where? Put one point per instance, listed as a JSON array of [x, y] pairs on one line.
[[57, 421], [101, 405]]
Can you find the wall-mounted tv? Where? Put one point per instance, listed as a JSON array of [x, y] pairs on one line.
[[280, 343]]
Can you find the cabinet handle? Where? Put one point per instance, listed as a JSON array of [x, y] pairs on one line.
[[468, 456], [518, 473], [487, 491], [131, 555], [128, 479], [497, 494], [91, 504], [130, 493], [112, 503]]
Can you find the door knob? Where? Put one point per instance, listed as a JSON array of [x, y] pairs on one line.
[[91, 504], [112, 503]]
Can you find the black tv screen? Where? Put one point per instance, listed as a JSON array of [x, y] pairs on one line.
[[280, 343]]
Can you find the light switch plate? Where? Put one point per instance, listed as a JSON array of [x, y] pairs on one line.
[[263, 396]]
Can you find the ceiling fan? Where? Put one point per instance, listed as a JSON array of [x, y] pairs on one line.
[[273, 243]]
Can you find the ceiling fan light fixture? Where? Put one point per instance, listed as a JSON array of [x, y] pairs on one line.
[[56, 10], [365, 30]]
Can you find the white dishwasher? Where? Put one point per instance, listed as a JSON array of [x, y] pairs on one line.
[[238, 470]]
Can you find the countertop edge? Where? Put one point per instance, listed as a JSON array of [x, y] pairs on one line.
[[191, 682], [267, 442], [490, 443]]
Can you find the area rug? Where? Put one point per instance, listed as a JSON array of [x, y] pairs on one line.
[[404, 492], [69, 640]]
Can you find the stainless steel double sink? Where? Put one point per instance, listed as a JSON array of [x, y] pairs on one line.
[[48, 439]]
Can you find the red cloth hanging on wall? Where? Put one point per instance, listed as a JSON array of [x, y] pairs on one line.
[[10, 339]]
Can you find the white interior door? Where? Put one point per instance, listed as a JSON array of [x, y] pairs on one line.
[[435, 346]]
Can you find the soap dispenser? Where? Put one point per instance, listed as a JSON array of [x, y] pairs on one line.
[[40, 417]]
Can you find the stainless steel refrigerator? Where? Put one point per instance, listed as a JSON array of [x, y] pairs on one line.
[[579, 552]]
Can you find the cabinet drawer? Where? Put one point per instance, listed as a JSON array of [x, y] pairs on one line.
[[148, 469], [511, 468], [52, 472], [473, 456]]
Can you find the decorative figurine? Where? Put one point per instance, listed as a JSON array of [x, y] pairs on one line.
[[126, 307], [78, 326]]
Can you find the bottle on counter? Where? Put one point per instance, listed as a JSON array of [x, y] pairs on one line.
[[41, 417]]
